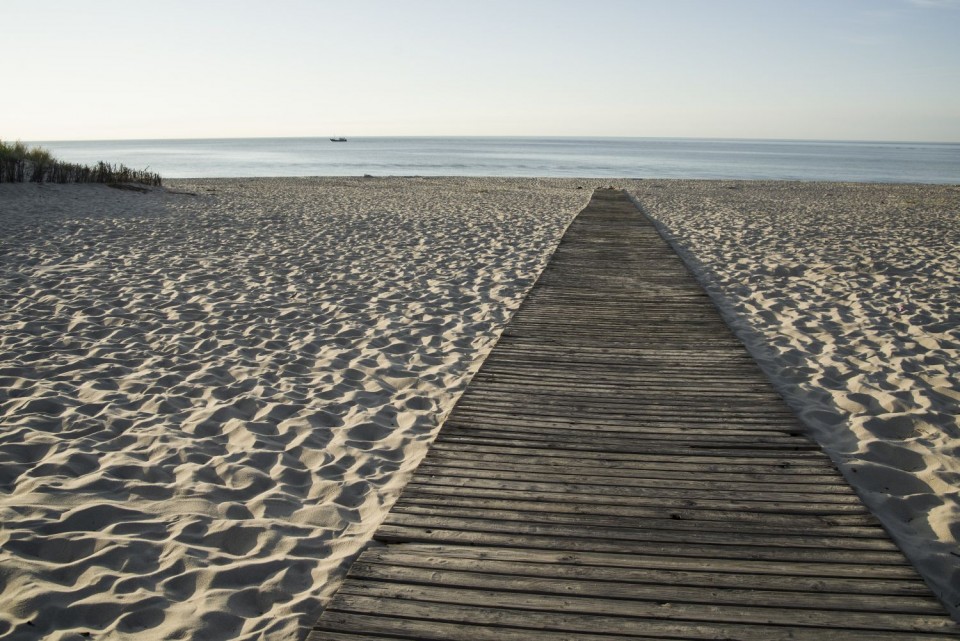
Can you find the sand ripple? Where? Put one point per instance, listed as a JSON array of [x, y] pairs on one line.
[[208, 401]]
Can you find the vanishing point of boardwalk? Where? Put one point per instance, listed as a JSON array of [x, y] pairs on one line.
[[620, 468]]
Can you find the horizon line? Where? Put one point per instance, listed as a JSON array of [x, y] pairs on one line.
[[501, 136]]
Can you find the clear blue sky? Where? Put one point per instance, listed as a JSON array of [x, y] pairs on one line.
[[805, 69]]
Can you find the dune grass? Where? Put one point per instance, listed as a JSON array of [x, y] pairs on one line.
[[19, 163]]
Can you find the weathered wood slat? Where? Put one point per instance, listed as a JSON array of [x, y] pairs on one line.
[[539, 524], [654, 572], [549, 538], [632, 445], [774, 471], [833, 514], [384, 626], [327, 635], [679, 519], [607, 382], [617, 354], [644, 599], [472, 417], [649, 471], [523, 557], [570, 488], [638, 402], [531, 615], [796, 461], [639, 446], [619, 468], [620, 519], [628, 446], [644, 479], [676, 431], [575, 426], [720, 438], [768, 505]]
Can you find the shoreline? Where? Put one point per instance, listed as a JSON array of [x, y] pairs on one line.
[[214, 398]]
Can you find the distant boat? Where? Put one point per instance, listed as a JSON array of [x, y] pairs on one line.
[[338, 139]]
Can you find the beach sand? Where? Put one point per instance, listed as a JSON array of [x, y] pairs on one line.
[[210, 399], [208, 402], [848, 295]]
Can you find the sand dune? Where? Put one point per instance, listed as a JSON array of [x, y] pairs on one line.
[[208, 401], [849, 296]]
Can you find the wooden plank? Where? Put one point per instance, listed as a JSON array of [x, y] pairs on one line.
[[797, 461], [526, 615], [327, 635], [620, 468], [646, 479], [538, 513], [547, 538], [829, 512], [747, 448], [630, 408], [651, 418], [522, 557], [659, 490], [718, 521], [608, 432], [388, 627], [644, 599], [606, 384], [538, 466], [544, 525], [775, 472], [656, 571], [627, 414]]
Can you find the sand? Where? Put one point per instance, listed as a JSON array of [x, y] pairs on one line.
[[208, 402], [848, 296]]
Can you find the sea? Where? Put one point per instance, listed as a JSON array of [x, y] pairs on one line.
[[891, 162]]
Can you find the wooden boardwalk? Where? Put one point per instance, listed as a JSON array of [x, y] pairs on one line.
[[620, 468]]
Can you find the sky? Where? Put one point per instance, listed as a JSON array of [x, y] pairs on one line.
[[785, 69]]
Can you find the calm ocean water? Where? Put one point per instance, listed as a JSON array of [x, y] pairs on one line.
[[578, 157]]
